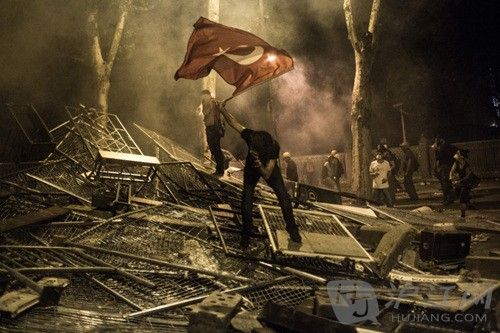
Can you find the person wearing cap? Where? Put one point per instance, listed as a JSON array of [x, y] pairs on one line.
[[214, 129], [331, 172], [291, 167], [409, 165], [261, 161], [463, 179]]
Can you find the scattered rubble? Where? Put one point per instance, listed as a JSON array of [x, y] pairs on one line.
[[150, 243]]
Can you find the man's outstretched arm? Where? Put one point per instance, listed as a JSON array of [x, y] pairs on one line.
[[231, 120]]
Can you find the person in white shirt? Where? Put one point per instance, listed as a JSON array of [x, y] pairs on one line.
[[379, 170]]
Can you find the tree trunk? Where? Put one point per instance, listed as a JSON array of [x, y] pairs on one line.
[[363, 47], [210, 81], [102, 94], [360, 127]]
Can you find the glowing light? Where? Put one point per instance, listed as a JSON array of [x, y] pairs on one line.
[[271, 57]]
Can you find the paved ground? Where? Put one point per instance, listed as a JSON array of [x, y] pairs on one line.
[[486, 198], [484, 222]]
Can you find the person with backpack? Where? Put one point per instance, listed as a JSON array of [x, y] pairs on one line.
[[409, 166]]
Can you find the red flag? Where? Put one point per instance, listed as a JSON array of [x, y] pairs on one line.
[[241, 58]]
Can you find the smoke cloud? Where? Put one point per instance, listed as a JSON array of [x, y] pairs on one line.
[[312, 118], [45, 61]]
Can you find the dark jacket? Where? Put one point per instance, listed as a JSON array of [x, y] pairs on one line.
[[332, 168], [444, 156]]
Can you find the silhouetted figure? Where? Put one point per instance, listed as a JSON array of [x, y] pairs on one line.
[[444, 153], [309, 172], [331, 172], [291, 172], [214, 129], [261, 161], [409, 166], [395, 164], [424, 159], [380, 170], [463, 179]]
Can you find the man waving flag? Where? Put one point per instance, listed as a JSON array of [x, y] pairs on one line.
[[241, 58]]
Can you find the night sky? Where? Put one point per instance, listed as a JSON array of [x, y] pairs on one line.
[[438, 58]]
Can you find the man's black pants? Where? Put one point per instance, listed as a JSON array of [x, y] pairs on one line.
[[382, 195], [443, 175], [410, 186], [213, 140], [250, 178]]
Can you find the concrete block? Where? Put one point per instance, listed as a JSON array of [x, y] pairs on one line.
[[214, 313], [245, 322], [15, 302], [392, 246]]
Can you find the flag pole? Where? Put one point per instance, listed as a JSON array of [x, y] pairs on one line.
[[226, 100]]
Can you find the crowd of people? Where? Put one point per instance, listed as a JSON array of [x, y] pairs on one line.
[[451, 168]]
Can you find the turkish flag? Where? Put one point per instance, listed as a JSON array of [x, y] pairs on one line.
[[241, 58]]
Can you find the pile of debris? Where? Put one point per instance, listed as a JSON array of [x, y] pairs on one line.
[[99, 236]]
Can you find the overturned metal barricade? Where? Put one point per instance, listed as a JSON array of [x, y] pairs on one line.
[[174, 151], [102, 131], [323, 235]]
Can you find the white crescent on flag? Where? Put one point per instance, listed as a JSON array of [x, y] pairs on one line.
[[247, 59]]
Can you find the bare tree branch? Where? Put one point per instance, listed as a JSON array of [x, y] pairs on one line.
[[93, 34], [124, 9], [351, 30], [373, 25]]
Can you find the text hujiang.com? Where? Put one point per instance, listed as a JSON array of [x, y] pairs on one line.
[[439, 317]]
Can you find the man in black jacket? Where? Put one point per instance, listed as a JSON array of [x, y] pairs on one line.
[[409, 166], [261, 161], [443, 162]]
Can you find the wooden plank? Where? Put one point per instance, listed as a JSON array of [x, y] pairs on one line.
[[42, 215], [125, 158]]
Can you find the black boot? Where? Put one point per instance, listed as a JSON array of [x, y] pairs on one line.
[[295, 235]]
